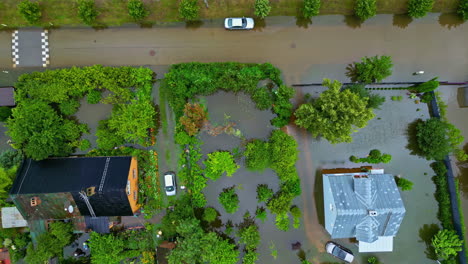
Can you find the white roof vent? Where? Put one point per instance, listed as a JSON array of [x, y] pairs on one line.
[[373, 213]]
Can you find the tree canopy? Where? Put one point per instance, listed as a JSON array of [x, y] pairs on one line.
[[219, 162], [447, 243], [437, 138], [335, 114], [109, 249]]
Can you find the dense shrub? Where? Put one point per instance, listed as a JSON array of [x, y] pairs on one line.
[[374, 101], [365, 9], [375, 156], [442, 194], [447, 244], [94, 97], [69, 107], [229, 200], [428, 86], [257, 155], [427, 97], [262, 98], [282, 222], [137, 10], [436, 138], [182, 138], [419, 8], [188, 9], [220, 162], [5, 113], [195, 116], [107, 138], [250, 236], [84, 145], [261, 214], [87, 11], [404, 184], [250, 257], [263, 193], [311, 8], [280, 203], [282, 105], [11, 158], [371, 69], [262, 8], [30, 11], [463, 9], [210, 214], [297, 215]]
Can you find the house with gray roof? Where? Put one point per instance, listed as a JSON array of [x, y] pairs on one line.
[[363, 205]]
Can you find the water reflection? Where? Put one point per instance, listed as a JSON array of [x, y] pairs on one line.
[[193, 24], [303, 22], [146, 24], [401, 20], [463, 176], [426, 233], [450, 20], [260, 24], [352, 21]]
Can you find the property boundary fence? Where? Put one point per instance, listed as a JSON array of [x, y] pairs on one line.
[[458, 225]]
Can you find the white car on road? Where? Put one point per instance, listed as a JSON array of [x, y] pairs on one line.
[[238, 23]]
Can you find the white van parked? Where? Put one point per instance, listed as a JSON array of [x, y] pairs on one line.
[[169, 183]]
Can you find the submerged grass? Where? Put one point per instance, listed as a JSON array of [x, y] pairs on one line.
[[114, 12]]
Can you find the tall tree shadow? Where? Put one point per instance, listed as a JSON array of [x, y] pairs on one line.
[[318, 197], [352, 21], [412, 139], [401, 20], [426, 233], [351, 72], [450, 20], [193, 25]]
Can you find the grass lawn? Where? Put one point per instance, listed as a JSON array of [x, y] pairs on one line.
[[114, 12]]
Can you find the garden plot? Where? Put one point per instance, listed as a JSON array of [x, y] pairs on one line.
[[386, 132]]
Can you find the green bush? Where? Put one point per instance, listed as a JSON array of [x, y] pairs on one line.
[[250, 257], [84, 145], [365, 9], [428, 86], [188, 9], [280, 203], [261, 214], [264, 193], [427, 97], [257, 155], [210, 214], [442, 194], [371, 69], [297, 215], [397, 98], [463, 9], [404, 184], [69, 107], [10, 158], [311, 8], [419, 8], [250, 236], [218, 163], [262, 98], [262, 8], [5, 113], [137, 10], [93, 97], [229, 200], [436, 138], [30, 11], [374, 100], [87, 11], [182, 138], [375, 156], [282, 222], [107, 138]]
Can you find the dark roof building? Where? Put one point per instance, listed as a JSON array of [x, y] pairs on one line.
[[63, 188], [7, 96]]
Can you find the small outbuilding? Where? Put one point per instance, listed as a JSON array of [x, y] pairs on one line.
[[11, 218], [7, 96]]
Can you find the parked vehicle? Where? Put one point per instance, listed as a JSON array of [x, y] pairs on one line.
[[339, 252], [232, 23], [170, 183]]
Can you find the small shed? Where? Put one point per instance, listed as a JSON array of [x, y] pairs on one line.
[[11, 217], [7, 96]]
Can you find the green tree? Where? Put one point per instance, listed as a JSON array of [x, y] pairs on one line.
[[108, 138], [436, 138], [6, 180], [282, 222], [404, 184], [280, 203], [311, 8], [229, 200], [371, 69], [93, 97], [40, 132], [261, 214], [10, 158], [257, 155], [87, 11], [219, 162], [262, 8], [250, 257], [463, 9], [375, 156], [334, 114], [250, 236], [210, 214], [84, 145], [109, 249], [365, 9], [5, 113], [426, 86], [419, 8], [374, 101], [188, 9], [30, 11], [262, 98], [297, 215], [69, 107], [137, 10], [447, 243], [263, 193]]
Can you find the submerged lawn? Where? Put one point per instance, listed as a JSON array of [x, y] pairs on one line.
[[114, 12]]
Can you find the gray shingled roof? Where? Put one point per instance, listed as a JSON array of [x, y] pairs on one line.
[[351, 202]]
